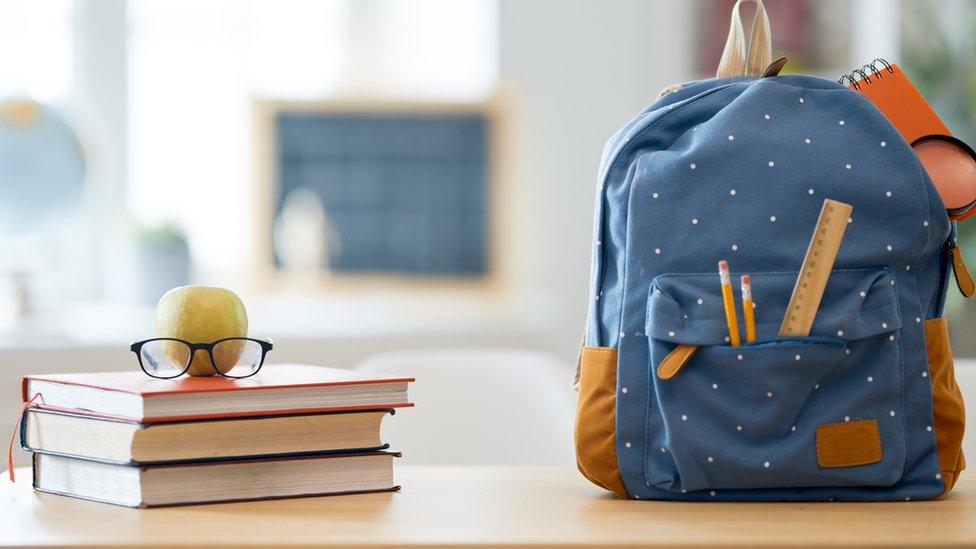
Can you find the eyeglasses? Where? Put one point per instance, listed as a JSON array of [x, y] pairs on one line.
[[234, 357]]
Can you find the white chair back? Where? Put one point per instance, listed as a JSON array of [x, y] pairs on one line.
[[481, 407]]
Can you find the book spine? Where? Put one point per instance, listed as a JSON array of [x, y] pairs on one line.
[[22, 431]]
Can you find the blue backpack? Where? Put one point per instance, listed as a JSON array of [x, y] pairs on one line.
[[737, 167]]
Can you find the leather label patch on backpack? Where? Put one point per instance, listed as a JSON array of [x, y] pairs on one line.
[[848, 444]]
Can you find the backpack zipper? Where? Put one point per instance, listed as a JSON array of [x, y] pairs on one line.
[[964, 280]]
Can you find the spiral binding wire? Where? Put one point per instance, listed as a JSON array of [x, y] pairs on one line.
[[862, 72]]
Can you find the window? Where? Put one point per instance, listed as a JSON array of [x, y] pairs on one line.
[[39, 252], [44, 29], [403, 192], [196, 67]]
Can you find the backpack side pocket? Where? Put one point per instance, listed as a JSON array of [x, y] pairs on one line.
[[948, 409], [596, 450]]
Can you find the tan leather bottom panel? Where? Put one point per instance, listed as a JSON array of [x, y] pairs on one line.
[[848, 444], [596, 449], [950, 414]]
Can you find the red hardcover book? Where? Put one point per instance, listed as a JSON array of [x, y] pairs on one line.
[[275, 390]]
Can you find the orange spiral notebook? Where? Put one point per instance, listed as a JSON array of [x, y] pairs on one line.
[[895, 96], [950, 163]]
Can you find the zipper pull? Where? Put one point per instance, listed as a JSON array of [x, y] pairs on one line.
[[773, 68], [964, 280], [676, 360]]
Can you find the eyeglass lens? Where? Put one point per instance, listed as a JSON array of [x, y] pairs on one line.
[[164, 358], [237, 357]]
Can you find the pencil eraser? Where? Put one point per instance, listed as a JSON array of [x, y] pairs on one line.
[[745, 280], [724, 265]]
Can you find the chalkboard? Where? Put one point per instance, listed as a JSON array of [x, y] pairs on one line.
[[406, 193]]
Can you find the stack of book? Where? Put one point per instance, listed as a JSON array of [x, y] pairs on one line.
[[289, 431]]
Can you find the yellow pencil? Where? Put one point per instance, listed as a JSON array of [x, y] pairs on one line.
[[748, 315], [729, 302]]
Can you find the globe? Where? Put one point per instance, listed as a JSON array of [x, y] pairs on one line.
[[42, 166]]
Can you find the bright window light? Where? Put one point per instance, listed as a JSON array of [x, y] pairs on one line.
[[36, 41], [195, 67]]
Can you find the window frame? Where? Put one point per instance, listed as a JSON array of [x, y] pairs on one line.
[[499, 219]]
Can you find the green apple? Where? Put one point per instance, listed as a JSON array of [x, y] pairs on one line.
[[201, 314]]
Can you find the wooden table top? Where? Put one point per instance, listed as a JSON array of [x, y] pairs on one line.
[[482, 506]]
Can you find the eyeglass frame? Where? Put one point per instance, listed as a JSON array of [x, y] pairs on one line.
[[266, 345]]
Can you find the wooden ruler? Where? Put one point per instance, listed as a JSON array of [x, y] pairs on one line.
[[817, 264]]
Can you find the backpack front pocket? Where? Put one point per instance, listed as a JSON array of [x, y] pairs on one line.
[[823, 410]]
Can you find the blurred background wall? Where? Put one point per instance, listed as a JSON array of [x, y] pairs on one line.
[[289, 150]]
